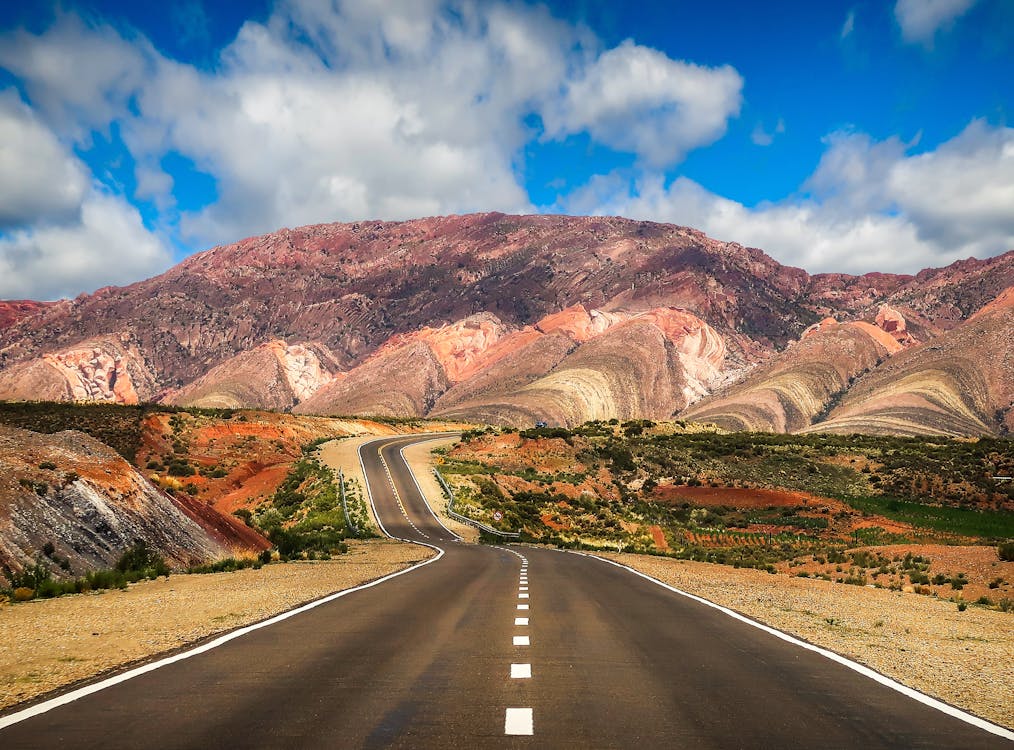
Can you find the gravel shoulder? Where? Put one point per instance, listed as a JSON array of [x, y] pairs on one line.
[[49, 644], [963, 658]]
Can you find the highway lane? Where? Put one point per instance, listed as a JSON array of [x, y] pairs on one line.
[[438, 658]]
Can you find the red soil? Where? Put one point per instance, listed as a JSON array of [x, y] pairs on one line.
[[737, 497]]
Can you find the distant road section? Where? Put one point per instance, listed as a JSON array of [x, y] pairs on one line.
[[499, 647]]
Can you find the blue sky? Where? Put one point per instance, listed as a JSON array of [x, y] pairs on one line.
[[852, 136]]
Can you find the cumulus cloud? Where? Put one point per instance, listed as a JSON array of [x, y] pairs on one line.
[[868, 206], [78, 76], [40, 179], [638, 100], [920, 20], [108, 244], [61, 234], [348, 109]]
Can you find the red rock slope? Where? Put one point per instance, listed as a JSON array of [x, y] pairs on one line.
[[70, 490]]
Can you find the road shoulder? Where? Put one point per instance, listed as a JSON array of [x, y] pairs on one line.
[[963, 658]]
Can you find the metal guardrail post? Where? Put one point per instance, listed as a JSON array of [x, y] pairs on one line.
[[465, 519]]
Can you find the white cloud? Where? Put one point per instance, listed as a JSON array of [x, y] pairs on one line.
[[849, 26], [920, 20], [39, 179], [349, 109], [107, 245], [78, 76], [638, 100], [59, 233], [761, 137], [871, 207]]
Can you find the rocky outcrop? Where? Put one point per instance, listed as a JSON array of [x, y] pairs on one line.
[[109, 369], [274, 375], [893, 322], [11, 311], [71, 491]]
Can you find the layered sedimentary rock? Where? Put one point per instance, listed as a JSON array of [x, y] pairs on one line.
[[71, 491], [798, 386], [959, 383], [442, 309], [597, 366], [274, 375], [107, 369]]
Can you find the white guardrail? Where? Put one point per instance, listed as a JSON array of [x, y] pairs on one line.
[[465, 519]]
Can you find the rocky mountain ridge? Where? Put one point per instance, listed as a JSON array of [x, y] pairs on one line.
[[492, 318]]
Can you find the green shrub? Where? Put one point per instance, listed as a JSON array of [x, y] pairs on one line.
[[1006, 551], [141, 559]]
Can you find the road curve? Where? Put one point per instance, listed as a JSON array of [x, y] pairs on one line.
[[498, 647]]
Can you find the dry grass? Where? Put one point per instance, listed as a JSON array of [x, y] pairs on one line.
[[56, 642]]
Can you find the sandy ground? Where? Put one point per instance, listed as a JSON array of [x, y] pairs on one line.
[[56, 642], [964, 658], [344, 455], [420, 460]]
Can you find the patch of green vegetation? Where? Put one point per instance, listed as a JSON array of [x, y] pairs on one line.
[[304, 518], [138, 562], [983, 524]]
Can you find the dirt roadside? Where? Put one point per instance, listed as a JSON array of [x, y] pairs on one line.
[[56, 642], [963, 658]]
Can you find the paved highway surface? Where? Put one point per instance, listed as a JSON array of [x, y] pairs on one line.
[[498, 647]]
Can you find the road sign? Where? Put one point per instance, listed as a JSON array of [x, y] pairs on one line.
[[497, 516]]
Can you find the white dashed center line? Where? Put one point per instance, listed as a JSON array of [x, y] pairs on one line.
[[518, 721], [521, 671]]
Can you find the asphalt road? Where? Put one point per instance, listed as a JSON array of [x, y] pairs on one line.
[[498, 647]]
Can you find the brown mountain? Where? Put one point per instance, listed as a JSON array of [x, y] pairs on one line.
[[506, 318]]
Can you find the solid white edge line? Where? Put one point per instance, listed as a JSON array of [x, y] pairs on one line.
[[81, 692], [62, 700], [429, 507], [855, 666]]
